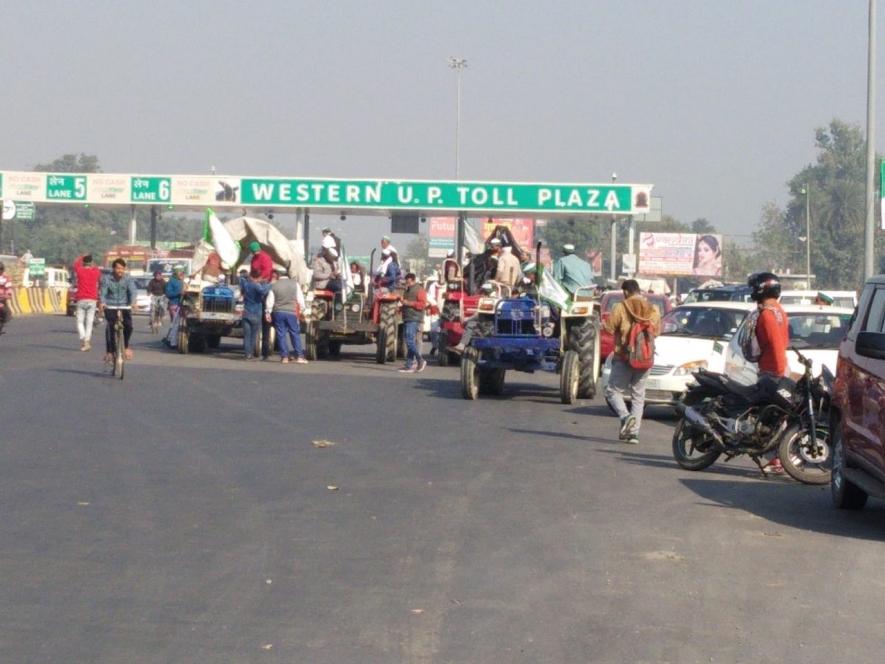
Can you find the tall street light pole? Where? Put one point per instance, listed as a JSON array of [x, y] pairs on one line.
[[807, 191], [870, 226], [458, 64]]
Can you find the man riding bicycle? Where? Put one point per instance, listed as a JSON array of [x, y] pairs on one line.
[[156, 288], [116, 296]]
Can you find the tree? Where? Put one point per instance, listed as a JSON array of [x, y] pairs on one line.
[[71, 163], [836, 182], [417, 249], [702, 227]]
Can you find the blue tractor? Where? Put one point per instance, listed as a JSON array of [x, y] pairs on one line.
[[544, 330]]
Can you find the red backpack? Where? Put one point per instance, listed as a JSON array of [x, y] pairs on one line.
[[641, 345]]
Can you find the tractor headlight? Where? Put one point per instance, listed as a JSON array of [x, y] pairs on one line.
[[688, 367], [547, 330], [355, 308]]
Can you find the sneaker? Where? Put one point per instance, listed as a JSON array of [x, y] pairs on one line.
[[87, 345], [632, 438], [82, 346], [301, 360], [627, 425], [407, 370], [284, 360], [422, 365]]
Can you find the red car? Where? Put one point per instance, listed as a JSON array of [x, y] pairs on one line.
[[607, 304], [857, 413]]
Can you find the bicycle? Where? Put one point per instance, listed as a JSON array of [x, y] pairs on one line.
[[158, 310], [117, 367]]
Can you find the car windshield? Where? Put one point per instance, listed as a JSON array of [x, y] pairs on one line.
[[707, 322], [816, 330], [656, 300]]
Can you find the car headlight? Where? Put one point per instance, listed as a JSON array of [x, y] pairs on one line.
[[688, 367]]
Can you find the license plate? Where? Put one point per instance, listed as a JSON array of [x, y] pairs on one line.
[[210, 315]]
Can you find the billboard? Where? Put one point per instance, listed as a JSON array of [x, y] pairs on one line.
[[441, 234], [523, 231], [680, 254]]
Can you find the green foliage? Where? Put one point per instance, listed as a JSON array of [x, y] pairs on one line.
[[417, 249], [71, 163]]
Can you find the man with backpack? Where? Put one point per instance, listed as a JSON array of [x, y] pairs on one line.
[[635, 323]]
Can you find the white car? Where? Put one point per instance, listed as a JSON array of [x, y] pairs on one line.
[[847, 299], [693, 336], [815, 330]]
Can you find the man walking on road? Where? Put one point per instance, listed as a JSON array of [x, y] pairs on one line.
[[253, 292], [87, 276], [571, 271], [624, 378], [285, 302], [414, 304]]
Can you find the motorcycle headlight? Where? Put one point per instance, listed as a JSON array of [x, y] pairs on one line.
[[688, 367]]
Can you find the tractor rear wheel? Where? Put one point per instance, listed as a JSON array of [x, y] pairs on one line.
[[386, 349], [491, 381], [570, 377], [584, 340], [469, 375]]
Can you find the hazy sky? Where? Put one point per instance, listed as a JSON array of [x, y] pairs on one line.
[[714, 102]]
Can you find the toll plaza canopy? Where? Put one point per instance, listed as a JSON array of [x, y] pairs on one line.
[[332, 195]]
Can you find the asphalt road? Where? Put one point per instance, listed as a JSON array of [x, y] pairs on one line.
[[184, 515]]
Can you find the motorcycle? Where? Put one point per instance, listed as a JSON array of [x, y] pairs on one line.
[[720, 416]]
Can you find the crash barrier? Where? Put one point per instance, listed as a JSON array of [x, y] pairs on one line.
[[26, 301]]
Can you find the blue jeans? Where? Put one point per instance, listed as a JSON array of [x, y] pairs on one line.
[[251, 325], [286, 323], [410, 332]]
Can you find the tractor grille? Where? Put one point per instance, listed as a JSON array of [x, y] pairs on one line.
[[218, 305], [516, 318]]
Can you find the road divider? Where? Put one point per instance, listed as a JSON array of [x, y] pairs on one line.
[[28, 301]]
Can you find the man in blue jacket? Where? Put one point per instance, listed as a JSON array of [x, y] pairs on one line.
[[174, 290], [254, 292]]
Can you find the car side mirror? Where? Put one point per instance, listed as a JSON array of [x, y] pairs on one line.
[[871, 344]]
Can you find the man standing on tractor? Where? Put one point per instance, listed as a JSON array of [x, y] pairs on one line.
[[385, 244], [451, 269], [508, 271], [388, 273], [414, 303], [571, 271], [633, 313], [261, 261]]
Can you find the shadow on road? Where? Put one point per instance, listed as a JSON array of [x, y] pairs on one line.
[[101, 372], [794, 505], [667, 461], [568, 436]]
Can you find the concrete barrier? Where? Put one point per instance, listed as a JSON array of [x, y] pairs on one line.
[[27, 301]]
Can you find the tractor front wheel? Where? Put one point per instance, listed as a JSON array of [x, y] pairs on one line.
[[469, 375], [584, 340], [570, 378]]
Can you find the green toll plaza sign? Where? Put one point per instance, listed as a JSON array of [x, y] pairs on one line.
[[367, 196], [430, 196]]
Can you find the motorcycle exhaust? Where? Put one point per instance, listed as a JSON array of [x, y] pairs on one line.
[[698, 421]]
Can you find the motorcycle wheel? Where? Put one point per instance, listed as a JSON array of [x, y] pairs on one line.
[[685, 452], [797, 459]]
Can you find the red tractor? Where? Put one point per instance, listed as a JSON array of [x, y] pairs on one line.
[[463, 294]]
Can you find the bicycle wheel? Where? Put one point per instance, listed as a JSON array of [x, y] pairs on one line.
[[119, 362]]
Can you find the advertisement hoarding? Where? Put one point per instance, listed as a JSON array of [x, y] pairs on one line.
[[680, 254]]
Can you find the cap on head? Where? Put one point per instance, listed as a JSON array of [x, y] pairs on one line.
[[254, 246], [568, 248], [823, 297], [385, 238], [327, 230]]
